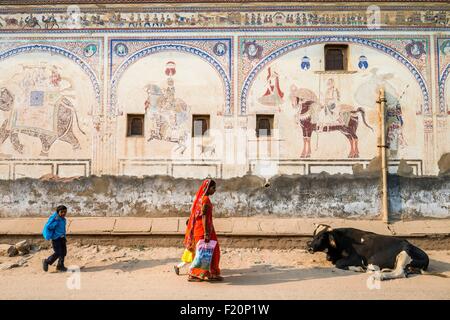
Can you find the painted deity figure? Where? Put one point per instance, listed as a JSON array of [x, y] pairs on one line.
[[252, 50], [168, 99], [329, 114], [167, 114], [221, 49], [394, 124], [273, 96]]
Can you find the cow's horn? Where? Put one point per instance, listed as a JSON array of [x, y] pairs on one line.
[[323, 226]]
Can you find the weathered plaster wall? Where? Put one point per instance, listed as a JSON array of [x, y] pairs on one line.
[[69, 76], [283, 196]]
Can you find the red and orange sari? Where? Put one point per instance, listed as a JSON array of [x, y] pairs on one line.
[[196, 232]]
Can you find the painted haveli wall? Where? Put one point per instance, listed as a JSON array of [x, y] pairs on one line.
[[69, 75]]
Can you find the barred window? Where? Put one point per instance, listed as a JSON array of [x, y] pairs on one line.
[[200, 125], [264, 125], [335, 57], [135, 125]]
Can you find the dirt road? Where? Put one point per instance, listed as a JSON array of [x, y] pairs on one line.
[[108, 272]]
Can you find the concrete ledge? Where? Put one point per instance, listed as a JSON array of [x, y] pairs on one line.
[[165, 225], [22, 226], [91, 225], [132, 225], [255, 226], [223, 225], [246, 226]]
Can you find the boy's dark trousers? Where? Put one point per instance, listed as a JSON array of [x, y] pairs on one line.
[[60, 248]]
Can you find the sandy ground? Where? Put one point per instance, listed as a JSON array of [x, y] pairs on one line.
[[109, 272]]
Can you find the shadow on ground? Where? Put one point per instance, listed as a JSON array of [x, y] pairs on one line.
[[262, 274], [267, 274], [131, 265], [438, 266]]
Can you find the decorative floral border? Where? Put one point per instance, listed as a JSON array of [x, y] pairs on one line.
[[442, 75], [217, 17], [442, 83]]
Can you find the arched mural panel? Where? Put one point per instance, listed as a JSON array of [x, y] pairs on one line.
[[168, 87], [46, 102], [328, 110]]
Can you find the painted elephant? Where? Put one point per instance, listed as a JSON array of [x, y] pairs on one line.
[[64, 115]]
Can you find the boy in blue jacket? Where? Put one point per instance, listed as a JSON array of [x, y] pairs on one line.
[[55, 230]]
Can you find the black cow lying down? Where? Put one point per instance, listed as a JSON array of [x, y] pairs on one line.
[[358, 250]]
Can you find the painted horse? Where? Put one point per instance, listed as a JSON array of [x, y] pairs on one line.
[[306, 102]]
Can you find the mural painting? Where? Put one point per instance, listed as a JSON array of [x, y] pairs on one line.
[[40, 98], [40, 108], [168, 115], [313, 116], [442, 45], [171, 94], [47, 106], [273, 96], [368, 90], [337, 112], [230, 17], [443, 57]]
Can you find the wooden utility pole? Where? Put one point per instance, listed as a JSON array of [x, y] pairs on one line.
[[382, 153]]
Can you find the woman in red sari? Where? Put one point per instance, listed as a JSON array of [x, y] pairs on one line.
[[200, 226]]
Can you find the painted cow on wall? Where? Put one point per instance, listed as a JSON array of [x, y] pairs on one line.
[[63, 118], [306, 102]]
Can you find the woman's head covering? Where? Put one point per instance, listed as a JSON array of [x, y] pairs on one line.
[[196, 210]]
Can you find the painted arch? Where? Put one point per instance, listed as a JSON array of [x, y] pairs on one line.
[[334, 39], [116, 77]]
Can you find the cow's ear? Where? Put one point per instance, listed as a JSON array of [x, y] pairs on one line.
[[331, 239]]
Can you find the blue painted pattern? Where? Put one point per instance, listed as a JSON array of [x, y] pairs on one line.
[[442, 82]]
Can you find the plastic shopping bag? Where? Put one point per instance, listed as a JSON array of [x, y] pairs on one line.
[[203, 255], [187, 256]]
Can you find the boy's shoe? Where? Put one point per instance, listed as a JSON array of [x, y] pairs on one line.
[[61, 268], [177, 270], [45, 265]]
